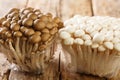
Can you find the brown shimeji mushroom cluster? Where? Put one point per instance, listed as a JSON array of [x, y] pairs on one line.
[[93, 43], [28, 31]]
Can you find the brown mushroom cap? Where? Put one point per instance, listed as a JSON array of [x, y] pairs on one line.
[[15, 27], [14, 10], [49, 14], [2, 20], [45, 37], [9, 19], [45, 30], [32, 16], [36, 10], [37, 33], [8, 33], [35, 38], [38, 25], [6, 23], [57, 20], [20, 22], [29, 32], [3, 29], [27, 22], [60, 25], [49, 25], [23, 29], [15, 18], [44, 18], [13, 21], [11, 15], [17, 34], [26, 10], [23, 17], [53, 31]]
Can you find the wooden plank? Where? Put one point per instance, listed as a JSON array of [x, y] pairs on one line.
[[50, 74], [64, 9], [72, 7], [44, 5], [8, 4], [75, 76], [106, 7]]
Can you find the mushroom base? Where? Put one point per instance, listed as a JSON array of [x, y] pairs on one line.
[[85, 59], [27, 57], [50, 74]]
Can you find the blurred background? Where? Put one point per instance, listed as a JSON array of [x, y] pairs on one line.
[[62, 8], [66, 8]]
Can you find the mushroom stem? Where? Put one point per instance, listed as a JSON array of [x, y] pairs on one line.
[[80, 52], [14, 53], [80, 55], [90, 57], [27, 46], [30, 49], [74, 57], [23, 50], [37, 61], [93, 59], [17, 48], [3, 49], [35, 47], [48, 52], [33, 59], [41, 60]]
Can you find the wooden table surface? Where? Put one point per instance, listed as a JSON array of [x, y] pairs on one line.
[[64, 9]]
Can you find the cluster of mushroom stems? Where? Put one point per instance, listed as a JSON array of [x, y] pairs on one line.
[[93, 44], [28, 34]]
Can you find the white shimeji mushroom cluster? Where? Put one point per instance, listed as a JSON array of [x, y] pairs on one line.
[[93, 44], [97, 32]]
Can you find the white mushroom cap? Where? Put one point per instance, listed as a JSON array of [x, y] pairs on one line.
[[101, 48], [79, 33], [70, 29], [69, 41], [64, 35], [98, 38], [95, 45], [117, 46], [108, 45], [88, 42], [78, 41]]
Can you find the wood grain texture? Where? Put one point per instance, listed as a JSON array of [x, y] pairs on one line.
[[75, 76], [51, 73], [8, 4], [64, 9], [106, 7], [45, 5], [72, 7]]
